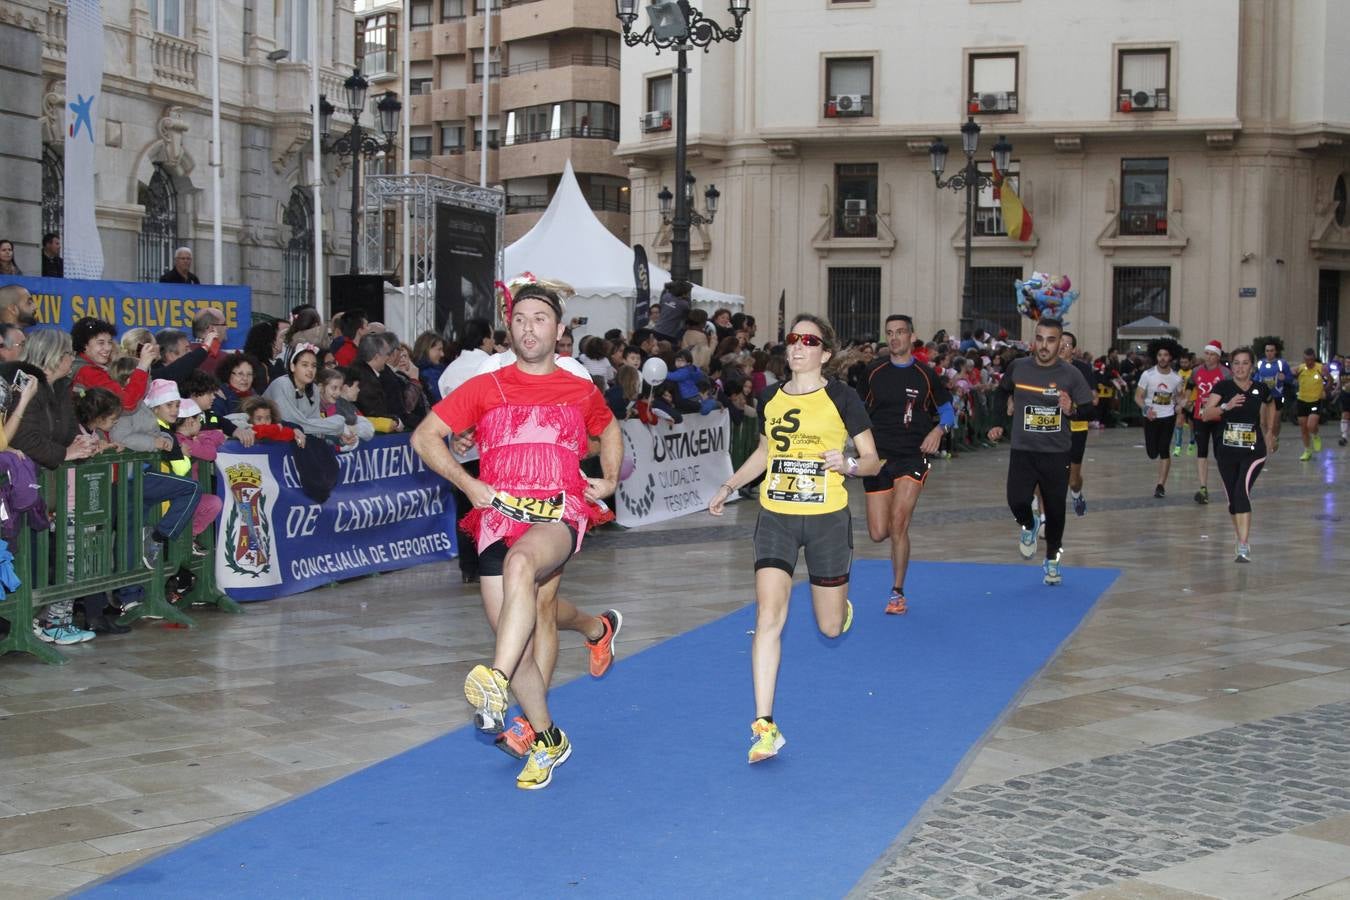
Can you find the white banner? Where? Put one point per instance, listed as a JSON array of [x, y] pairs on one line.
[[80, 244], [672, 470]]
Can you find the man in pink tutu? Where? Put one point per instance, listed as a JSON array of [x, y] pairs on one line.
[[531, 422]]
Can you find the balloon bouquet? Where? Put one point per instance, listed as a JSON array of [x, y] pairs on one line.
[[1044, 295]]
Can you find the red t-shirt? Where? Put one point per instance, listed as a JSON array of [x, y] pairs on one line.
[[346, 354], [1204, 381], [532, 434]]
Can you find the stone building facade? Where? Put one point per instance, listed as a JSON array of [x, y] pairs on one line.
[[153, 185], [1187, 161]]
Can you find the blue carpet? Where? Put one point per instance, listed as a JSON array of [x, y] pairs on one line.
[[657, 799]]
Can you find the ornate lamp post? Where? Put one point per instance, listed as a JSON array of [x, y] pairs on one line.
[[971, 180], [358, 142], [677, 25]]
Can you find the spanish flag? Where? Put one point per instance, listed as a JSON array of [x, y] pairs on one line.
[[1016, 217]]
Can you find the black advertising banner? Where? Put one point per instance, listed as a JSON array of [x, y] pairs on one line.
[[466, 267], [642, 278]]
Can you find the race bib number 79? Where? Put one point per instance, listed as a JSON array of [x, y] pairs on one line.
[[796, 480], [530, 510]]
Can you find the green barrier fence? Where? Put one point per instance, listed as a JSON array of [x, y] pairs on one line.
[[95, 546]]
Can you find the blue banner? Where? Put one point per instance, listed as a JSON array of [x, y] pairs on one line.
[[138, 304], [388, 511]]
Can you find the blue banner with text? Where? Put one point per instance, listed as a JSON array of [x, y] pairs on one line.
[[136, 304], [388, 511]]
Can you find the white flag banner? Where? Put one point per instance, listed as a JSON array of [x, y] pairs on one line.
[[80, 244], [672, 470]]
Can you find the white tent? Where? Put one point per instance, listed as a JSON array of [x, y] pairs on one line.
[[570, 244]]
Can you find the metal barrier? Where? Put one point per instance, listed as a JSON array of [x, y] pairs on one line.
[[94, 545]]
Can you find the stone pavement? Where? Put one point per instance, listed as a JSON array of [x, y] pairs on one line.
[[1188, 742]]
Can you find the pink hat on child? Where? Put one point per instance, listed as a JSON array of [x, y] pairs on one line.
[[161, 391]]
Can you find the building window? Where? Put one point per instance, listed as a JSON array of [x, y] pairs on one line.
[[1140, 291], [294, 27], [452, 140], [855, 208], [493, 142], [696, 276], [989, 306], [452, 10], [855, 302], [419, 146], [159, 228], [657, 116], [606, 193], [166, 16], [993, 83], [380, 47], [1143, 196], [53, 191], [419, 15], [988, 214], [494, 69], [1337, 200], [555, 121], [419, 86], [479, 6], [1144, 77], [848, 88], [1328, 312], [297, 264]]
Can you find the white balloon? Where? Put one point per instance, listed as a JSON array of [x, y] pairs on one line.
[[654, 371]]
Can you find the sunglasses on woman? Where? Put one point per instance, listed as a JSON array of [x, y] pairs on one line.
[[807, 340]]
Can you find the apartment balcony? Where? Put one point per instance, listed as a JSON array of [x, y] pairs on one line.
[[420, 43], [473, 97], [447, 39], [532, 84], [528, 157], [522, 20], [420, 109], [448, 105]]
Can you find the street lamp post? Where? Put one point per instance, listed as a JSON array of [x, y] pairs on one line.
[[677, 25], [971, 180], [358, 143]]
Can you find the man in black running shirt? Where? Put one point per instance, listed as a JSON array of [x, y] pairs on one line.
[[910, 409]]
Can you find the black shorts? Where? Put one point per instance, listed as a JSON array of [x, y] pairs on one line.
[[1306, 409], [1279, 401], [827, 539], [1077, 446], [491, 557], [893, 469], [1203, 432], [1158, 436]]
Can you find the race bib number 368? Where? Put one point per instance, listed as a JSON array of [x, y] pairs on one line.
[[796, 480], [1041, 419], [1239, 435]]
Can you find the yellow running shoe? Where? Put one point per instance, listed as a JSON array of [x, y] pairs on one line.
[[848, 617], [768, 740], [539, 766], [1317, 443], [486, 691]]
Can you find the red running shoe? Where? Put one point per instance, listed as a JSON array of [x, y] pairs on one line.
[[602, 649], [896, 605], [517, 740]]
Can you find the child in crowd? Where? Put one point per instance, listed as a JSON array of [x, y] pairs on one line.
[[197, 441], [204, 389], [332, 383], [148, 428], [346, 407], [264, 417]]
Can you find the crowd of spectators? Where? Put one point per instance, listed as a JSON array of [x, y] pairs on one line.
[[178, 394]]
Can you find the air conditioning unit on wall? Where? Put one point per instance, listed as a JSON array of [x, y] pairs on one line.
[[1143, 101], [841, 105], [993, 102], [855, 207], [656, 120]]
